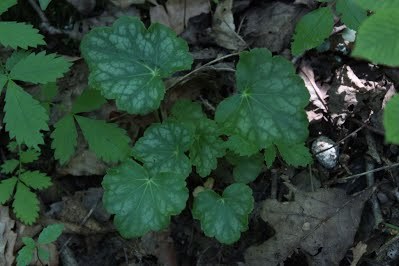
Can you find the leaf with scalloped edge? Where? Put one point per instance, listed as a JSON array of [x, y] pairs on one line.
[[247, 168], [65, 138], [19, 35], [269, 104], [28, 156], [377, 38], [224, 217], [162, 148], [25, 117], [7, 189], [88, 101], [391, 120], [35, 180], [9, 166], [109, 142], [142, 201], [6, 4], [270, 155], [128, 62], [295, 154], [312, 29], [25, 254], [26, 204]]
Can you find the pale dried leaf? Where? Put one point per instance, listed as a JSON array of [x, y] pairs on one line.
[[7, 237], [358, 252]]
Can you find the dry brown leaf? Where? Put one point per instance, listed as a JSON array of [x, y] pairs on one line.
[[176, 13], [7, 237], [224, 29], [321, 224], [358, 252]]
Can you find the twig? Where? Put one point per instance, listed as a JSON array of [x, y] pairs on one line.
[[345, 179], [372, 129]]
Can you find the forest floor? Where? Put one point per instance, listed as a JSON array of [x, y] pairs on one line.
[[356, 208]]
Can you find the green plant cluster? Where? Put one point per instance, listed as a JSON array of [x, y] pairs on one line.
[[264, 119]]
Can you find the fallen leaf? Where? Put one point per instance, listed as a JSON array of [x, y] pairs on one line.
[[321, 224], [7, 237], [224, 29], [358, 252], [176, 13]]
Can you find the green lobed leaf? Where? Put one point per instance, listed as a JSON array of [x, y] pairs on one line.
[[6, 4], [224, 217], [40, 68], [65, 139], [391, 120], [14, 35], [15, 57], [109, 142], [128, 62], [9, 166], [268, 106], [44, 4], [295, 154], [25, 255], [24, 116], [29, 156], [142, 201], [270, 155], [186, 110], [351, 13], [7, 189], [50, 233], [162, 148], [312, 29], [26, 204], [247, 169], [35, 179], [377, 38], [88, 101]]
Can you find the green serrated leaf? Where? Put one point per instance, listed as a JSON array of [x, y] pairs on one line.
[[295, 154], [44, 4], [112, 145], [48, 91], [269, 105], [15, 57], [50, 234], [9, 166], [141, 201], [377, 38], [40, 68], [25, 255], [270, 155], [7, 189], [65, 138], [90, 100], [207, 147], [29, 156], [25, 205], [163, 146], [3, 81], [35, 179], [351, 13], [28, 241], [224, 217], [6, 4], [44, 255], [312, 29], [24, 116], [391, 120], [12, 146], [247, 169], [128, 62], [14, 35]]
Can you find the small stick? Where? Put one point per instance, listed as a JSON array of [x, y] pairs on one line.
[[345, 179]]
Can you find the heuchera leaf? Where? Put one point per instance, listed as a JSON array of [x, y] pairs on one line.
[[142, 201], [224, 217], [26, 204], [162, 148], [391, 120], [128, 62], [269, 104], [312, 29], [351, 13], [247, 169], [7, 189], [109, 142], [88, 101], [14, 35], [24, 116], [35, 179], [270, 155], [295, 154], [64, 138], [50, 233], [40, 68], [384, 25], [6, 4]]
